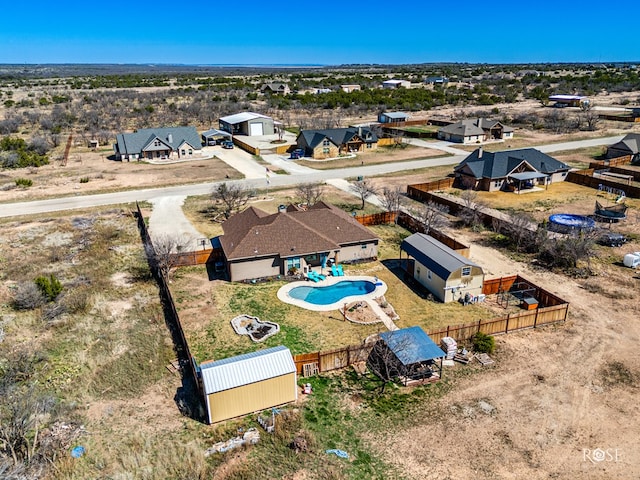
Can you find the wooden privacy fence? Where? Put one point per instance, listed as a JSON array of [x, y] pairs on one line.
[[613, 169], [612, 162], [168, 305], [586, 178], [439, 184], [414, 225], [555, 310], [198, 257]]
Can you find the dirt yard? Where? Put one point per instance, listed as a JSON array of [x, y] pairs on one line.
[[92, 172], [554, 397]]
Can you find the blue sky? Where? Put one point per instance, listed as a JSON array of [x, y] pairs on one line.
[[325, 32]]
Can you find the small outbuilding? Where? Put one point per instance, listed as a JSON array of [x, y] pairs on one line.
[[248, 383], [408, 355], [393, 117], [445, 273]]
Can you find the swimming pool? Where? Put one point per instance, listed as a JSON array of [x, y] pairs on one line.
[[333, 293]]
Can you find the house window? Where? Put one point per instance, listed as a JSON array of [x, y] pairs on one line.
[[183, 152], [429, 274], [190, 152], [325, 143], [418, 271], [466, 271], [364, 246], [293, 263], [369, 145], [497, 184], [325, 151]]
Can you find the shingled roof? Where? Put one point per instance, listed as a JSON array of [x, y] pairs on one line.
[[475, 126], [339, 136], [499, 164], [630, 143], [173, 137], [294, 232]]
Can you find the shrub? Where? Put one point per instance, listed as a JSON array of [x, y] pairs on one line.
[[84, 180], [483, 343], [28, 296], [49, 286], [24, 182]]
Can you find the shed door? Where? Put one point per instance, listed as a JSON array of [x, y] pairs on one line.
[[255, 129]]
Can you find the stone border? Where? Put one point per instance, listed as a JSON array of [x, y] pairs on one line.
[[283, 292], [235, 323]]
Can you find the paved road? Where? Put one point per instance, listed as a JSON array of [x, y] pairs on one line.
[[86, 201]]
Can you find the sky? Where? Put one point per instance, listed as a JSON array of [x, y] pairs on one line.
[[326, 32]]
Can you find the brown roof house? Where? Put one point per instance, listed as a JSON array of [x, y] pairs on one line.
[[257, 244]]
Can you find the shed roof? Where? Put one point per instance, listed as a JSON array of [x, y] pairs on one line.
[[246, 369], [412, 345], [434, 255], [241, 117], [527, 175], [395, 115], [214, 132]]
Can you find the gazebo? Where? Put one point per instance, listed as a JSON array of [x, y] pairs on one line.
[[408, 354]]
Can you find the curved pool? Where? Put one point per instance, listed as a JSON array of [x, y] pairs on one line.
[[332, 293]]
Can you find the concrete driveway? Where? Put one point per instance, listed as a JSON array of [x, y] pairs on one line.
[[168, 219]]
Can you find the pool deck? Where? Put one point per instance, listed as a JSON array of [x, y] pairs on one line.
[[283, 293]]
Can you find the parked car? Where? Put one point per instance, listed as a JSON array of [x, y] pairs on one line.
[[297, 154], [612, 239], [227, 144]]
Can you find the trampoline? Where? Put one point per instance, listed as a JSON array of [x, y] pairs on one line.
[[611, 214], [569, 223]]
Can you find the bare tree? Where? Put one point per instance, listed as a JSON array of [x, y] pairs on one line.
[[519, 229], [471, 213], [589, 116], [383, 358], [231, 196], [392, 198], [364, 189], [432, 215], [162, 253], [310, 193]]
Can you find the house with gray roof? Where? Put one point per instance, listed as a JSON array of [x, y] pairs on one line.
[[333, 142], [629, 145], [509, 170], [257, 244], [477, 130], [158, 143], [248, 123], [445, 273]]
